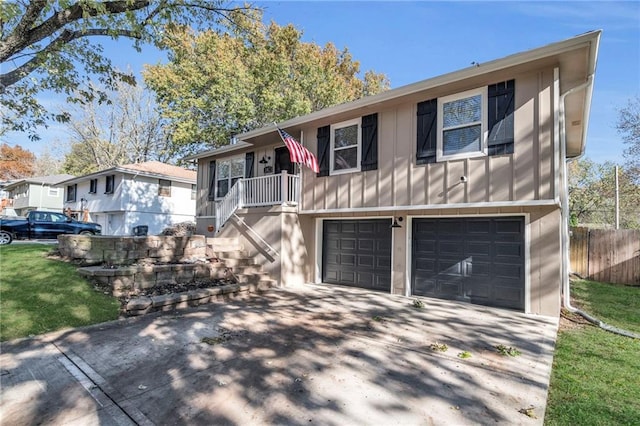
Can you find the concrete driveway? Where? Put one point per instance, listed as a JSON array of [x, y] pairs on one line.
[[313, 355]]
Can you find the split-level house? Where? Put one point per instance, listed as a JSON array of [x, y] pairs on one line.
[[36, 193], [453, 187], [123, 199]]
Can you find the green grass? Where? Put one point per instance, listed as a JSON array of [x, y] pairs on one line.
[[38, 295], [595, 377]]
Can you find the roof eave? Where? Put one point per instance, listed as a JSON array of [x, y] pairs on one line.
[[124, 170], [463, 74]]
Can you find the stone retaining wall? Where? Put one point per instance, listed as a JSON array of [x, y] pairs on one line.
[[129, 280], [121, 250]]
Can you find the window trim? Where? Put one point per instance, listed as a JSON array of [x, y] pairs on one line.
[[333, 128], [229, 160], [483, 92]]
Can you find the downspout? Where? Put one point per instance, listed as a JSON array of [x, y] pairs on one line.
[[566, 284]]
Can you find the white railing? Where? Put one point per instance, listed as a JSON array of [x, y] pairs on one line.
[[258, 191]]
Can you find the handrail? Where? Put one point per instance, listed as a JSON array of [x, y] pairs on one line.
[[258, 191]]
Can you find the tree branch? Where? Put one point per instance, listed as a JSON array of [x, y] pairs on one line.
[[66, 37], [22, 37]]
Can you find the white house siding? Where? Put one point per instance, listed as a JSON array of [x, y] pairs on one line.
[[134, 201]]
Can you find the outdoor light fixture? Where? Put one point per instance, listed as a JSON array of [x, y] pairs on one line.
[[395, 223], [264, 160]]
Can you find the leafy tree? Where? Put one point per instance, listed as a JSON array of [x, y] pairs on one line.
[[126, 130], [15, 162], [629, 126], [592, 194], [46, 44], [218, 84]]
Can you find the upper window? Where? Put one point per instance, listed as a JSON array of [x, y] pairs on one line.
[[345, 145], [71, 192], [164, 188], [228, 173], [462, 125], [93, 186], [109, 184]]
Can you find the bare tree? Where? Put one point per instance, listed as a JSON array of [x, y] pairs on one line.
[[127, 129]]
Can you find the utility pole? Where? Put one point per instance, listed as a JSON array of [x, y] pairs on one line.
[[617, 201]]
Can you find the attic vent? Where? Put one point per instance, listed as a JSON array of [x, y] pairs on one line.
[[576, 122]]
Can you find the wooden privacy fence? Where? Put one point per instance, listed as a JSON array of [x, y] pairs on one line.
[[606, 255]]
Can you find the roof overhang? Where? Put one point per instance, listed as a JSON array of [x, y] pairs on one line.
[[126, 171], [222, 150], [575, 57]]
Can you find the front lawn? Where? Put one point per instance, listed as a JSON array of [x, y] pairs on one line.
[[38, 294], [595, 377]]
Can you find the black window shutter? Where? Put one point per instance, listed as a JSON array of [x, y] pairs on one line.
[[427, 132], [369, 142], [248, 164], [500, 117], [212, 180], [324, 136]]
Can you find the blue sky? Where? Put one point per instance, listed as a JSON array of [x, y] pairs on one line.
[[413, 41]]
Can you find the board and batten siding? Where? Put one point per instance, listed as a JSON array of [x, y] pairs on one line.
[[526, 175]]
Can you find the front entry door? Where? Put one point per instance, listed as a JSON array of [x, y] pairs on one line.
[[283, 161]]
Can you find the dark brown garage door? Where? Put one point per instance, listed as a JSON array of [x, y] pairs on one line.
[[478, 260], [357, 253]]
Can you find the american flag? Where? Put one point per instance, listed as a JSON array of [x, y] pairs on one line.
[[298, 153]]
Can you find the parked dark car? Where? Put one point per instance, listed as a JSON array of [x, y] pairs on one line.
[[43, 225]]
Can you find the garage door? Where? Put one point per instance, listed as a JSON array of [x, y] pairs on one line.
[[478, 260], [357, 253]]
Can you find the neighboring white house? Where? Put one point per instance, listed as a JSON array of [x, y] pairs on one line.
[[150, 194], [36, 193]]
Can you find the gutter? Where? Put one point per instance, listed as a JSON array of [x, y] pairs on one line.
[[566, 284]]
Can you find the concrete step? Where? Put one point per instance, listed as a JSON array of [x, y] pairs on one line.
[[234, 254], [252, 278], [247, 269], [224, 244], [232, 263]]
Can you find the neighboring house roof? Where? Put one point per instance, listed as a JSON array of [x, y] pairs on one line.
[[575, 57], [50, 180], [153, 169]]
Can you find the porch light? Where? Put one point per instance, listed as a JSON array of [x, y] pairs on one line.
[[395, 223], [264, 160]]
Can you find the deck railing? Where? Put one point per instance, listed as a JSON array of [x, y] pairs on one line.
[[258, 191]]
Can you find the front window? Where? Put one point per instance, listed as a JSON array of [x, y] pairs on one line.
[[461, 125], [193, 191], [93, 186], [71, 192], [109, 184], [345, 146], [228, 173], [164, 188]]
